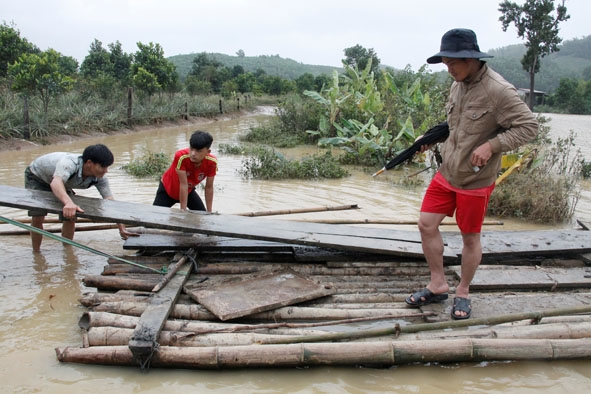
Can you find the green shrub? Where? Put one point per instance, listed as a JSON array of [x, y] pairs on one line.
[[545, 192], [148, 165], [271, 134], [266, 163]]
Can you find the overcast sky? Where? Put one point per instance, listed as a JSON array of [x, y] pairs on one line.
[[308, 31]]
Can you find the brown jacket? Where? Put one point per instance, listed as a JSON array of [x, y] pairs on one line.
[[487, 108]]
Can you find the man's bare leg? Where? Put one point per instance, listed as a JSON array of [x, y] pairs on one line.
[[36, 238], [68, 229], [471, 258], [432, 244]]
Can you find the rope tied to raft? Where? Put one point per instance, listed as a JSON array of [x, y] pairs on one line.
[[145, 334], [192, 258], [78, 245]]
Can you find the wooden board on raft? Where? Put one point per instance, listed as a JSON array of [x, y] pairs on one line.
[[259, 294], [205, 243], [143, 342], [335, 236], [529, 278], [340, 237]]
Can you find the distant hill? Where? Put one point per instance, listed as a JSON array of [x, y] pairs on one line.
[[271, 65], [572, 61]]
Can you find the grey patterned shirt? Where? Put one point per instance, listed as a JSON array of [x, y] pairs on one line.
[[67, 166]]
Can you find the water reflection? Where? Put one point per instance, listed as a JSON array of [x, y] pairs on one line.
[[39, 292]]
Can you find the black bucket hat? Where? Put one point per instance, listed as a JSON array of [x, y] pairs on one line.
[[459, 44]]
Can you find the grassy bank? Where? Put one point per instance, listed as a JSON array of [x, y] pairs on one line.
[[72, 114]]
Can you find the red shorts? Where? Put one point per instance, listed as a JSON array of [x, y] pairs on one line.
[[469, 205]]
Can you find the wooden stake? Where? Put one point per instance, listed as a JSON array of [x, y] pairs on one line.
[[172, 270]]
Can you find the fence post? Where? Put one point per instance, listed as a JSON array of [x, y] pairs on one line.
[[26, 120], [186, 115], [129, 106], [238, 103], [221, 109]]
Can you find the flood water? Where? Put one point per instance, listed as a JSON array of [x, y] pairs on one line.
[[39, 293]]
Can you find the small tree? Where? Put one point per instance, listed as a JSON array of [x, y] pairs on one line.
[[12, 46], [41, 74], [535, 23], [146, 82], [359, 57], [150, 59], [97, 62]]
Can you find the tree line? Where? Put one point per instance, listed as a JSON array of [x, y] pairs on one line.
[[106, 72]]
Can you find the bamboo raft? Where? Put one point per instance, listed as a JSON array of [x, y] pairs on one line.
[[526, 308], [225, 291]]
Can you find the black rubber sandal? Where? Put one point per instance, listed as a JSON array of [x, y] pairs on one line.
[[425, 297], [461, 304]]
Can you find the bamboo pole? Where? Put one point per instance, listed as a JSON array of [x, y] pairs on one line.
[[114, 336], [117, 336], [412, 328], [105, 319], [386, 353], [291, 313], [90, 227], [114, 283], [558, 330], [300, 210], [51, 221], [94, 298]]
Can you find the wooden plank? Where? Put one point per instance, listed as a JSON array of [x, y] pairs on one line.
[[144, 339], [566, 278], [542, 242], [205, 243], [260, 294], [374, 240], [505, 278], [244, 248], [350, 238], [495, 304], [528, 278]]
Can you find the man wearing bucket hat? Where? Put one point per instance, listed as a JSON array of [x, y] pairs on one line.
[[486, 117]]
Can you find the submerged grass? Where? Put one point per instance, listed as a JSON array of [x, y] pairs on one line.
[[150, 165], [266, 163]]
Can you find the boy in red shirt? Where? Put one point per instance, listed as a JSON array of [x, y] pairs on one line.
[[189, 167]]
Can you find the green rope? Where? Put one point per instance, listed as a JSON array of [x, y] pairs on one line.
[[79, 245]]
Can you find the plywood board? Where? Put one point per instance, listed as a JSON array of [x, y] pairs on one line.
[[543, 242], [264, 293], [175, 241], [340, 237], [528, 278]]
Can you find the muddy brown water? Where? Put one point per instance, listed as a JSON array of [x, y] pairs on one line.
[[39, 293]]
